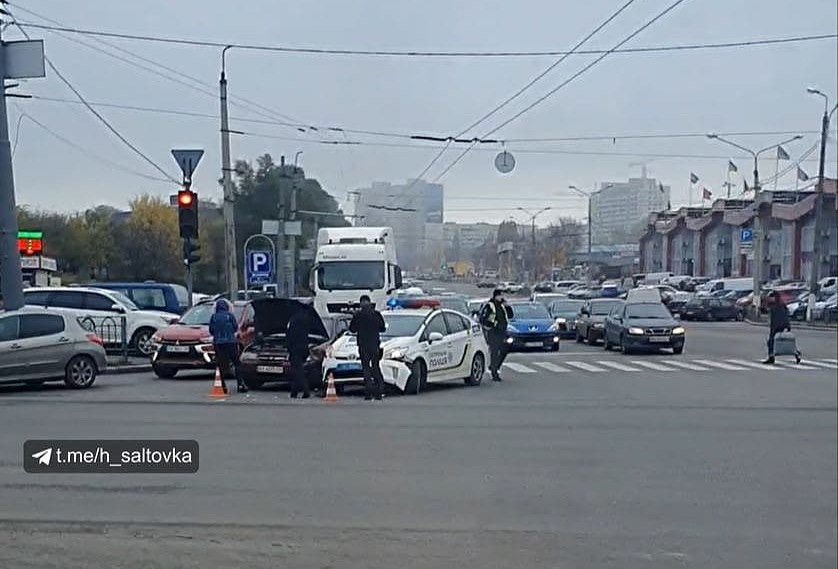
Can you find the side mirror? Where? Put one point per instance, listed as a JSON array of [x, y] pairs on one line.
[[434, 337], [118, 308]]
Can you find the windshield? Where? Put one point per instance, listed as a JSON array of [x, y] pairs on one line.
[[603, 308], [129, 304], [652, 311], [200, 314], [402, 325], [350, 275], [529, 311], [565, 306]]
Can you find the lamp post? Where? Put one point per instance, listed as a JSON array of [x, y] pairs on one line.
[[533, 216], [758, 232], [589, 195]]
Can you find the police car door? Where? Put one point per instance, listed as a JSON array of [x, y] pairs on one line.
[[459, 333], [438, 356]]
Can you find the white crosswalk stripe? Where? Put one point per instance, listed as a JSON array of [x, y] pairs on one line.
[[584, 366], [518, 367], [755, 365], [618, 366], [791, 365], [830, 361], [652, 366], [551, 367], [721, 365], [823, 363], [687, 365]]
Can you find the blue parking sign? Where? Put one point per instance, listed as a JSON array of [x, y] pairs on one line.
[[746, 235], [259, 267]]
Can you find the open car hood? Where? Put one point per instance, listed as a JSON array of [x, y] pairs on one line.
[[271, 316]]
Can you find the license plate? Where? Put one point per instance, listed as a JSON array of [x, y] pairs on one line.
[[659, 339], [178, 349], [533, 344], [270, 369], [349, 367]]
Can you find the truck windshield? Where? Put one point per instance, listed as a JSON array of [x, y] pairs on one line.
[[350, 275]]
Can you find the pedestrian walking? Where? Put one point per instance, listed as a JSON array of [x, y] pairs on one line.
[[296, 342], [222, 328], [368, 324], [778, 321], [495, 318]]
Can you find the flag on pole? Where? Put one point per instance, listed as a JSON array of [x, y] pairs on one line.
[[782, 154], [747, 189], [731, 167], [706, 194], [660, 187], [801, 175], [693, 178]]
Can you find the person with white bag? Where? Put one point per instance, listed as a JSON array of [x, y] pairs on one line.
[[780, 339]]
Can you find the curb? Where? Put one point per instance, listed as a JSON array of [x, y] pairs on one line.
[[795, 325], [124, 369]]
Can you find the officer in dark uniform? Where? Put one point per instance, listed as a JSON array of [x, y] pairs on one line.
[[296, 341], [368, 324], [495, 318]]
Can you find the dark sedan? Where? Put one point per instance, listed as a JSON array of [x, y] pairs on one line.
[[643, 326], [565, 312], [590, 326], [709, 308]]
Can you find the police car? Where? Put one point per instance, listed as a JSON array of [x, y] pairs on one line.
[[423, 343]]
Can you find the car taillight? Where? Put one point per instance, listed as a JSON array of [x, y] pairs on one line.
[[95, 339]]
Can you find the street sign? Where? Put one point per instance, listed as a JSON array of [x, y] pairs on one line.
[[270, 226], [504, 162], [746, 239], [293, 228], [259, 267], [24, 59], [187, 160]]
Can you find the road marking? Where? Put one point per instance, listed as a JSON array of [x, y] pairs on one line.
[[518, 367], [550, 367], [615, 365], [584, 366], [824, 363], [653, 366], [721, 365], [796, 366], [829, 361], [687, 365], [755, 365]]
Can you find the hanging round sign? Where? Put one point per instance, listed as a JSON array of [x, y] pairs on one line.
[[504, 162]]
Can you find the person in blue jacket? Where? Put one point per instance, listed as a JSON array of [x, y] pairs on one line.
[[222, 328]]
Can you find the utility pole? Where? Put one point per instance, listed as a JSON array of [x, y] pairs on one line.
[[292, 239], [814, 269], [230, 249], [281, 277], [534, 253]]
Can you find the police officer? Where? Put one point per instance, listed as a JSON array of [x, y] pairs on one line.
[[368, 324], [296, 341], [495, 318], [222, 328]]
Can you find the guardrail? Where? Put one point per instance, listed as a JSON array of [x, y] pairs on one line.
[[112, 331]]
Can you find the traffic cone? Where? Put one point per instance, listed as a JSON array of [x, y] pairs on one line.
[[217, 391], [331, 392]]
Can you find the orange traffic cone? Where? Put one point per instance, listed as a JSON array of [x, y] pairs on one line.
[[331, 392], [218, 391]]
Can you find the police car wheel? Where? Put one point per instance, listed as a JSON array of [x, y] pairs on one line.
[[478, 368], [417, 379]]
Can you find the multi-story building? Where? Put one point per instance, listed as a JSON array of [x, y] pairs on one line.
[[619, 209]]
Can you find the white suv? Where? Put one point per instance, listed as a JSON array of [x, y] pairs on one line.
[[101, 311]]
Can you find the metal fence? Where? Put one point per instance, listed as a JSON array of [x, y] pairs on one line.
[[112, 331]]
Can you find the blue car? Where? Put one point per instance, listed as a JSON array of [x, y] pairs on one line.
[[532, 326]]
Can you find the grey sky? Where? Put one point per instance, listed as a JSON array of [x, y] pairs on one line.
[[752, 89]]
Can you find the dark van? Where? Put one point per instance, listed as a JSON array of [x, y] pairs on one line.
[[168, 297]]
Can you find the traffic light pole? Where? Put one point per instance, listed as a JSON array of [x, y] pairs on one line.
[[230, 252]]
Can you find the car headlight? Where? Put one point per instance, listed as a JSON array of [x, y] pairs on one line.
[[635, 331], [599, 325], [561, 320], [395, 354], [678, 330], [156, 338], [169, 319]]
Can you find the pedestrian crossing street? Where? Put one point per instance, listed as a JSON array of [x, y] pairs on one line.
[[668, 365]]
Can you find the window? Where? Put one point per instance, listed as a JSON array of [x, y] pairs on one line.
[[149, 298], [93, 301], [350, 275], [437, 324], [36, 297], [67, 299], [455, 323], [35, 325], [8, 328]]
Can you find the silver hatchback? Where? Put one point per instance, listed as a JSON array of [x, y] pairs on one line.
[[38, 345]]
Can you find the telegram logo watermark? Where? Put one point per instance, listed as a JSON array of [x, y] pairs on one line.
[[99, 456]]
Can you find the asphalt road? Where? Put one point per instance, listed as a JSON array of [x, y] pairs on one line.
[[673, 467]]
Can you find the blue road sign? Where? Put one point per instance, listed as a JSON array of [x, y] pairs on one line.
[[260, 266], [746, 235]]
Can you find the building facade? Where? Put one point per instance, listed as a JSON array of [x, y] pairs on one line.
[[618, 209]]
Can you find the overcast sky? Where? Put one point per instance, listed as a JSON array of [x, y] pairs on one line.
[[725, 90]]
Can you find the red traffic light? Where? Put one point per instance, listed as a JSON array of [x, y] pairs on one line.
[[185, 198]]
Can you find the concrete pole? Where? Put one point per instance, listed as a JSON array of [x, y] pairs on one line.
[[230, 249], [758, 242], [11, 277], [818, 228]]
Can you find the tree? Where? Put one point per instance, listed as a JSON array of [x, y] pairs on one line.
[[150, 247]]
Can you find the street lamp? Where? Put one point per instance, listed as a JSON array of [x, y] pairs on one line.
[[758, 237], [533, 216], [589, 195]]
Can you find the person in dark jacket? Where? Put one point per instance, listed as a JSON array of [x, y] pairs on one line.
[[778, 321], [495, 318], [222, 328], [368, 324], [296, 342]]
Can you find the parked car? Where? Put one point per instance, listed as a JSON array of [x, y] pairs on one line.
[[546, 298], [455, 302], [710, 308], [828, 286], [643, 326], [590, 326], [565, 312], [187, 344], [565, 286], [150, 295], [38, 345], [544, 286], [532, 326], [101, 311]]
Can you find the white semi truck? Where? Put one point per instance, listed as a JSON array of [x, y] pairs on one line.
[[353, 261]]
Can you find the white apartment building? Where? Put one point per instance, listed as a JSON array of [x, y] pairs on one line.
[[619, 209]]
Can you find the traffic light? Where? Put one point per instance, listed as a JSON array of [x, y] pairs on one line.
[[187, 213], [191, 252]]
